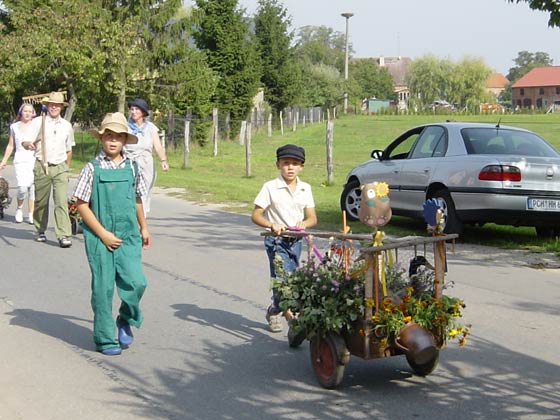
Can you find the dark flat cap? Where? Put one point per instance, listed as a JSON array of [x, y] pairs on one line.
[[290, 151]]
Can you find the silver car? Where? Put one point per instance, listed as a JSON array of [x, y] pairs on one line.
[[478, 173]]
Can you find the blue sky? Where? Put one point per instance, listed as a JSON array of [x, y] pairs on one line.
[[493, 30]]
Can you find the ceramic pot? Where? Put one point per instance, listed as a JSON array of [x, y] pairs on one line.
[[417, 343]]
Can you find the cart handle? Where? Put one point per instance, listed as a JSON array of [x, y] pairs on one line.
[[315, 249]]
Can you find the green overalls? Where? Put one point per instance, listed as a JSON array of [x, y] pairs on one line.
[[113, 201]]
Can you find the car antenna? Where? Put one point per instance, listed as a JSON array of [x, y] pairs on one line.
[[499, 121]]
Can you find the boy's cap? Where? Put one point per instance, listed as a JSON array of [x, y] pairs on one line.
[[291, 151], [116, 122]]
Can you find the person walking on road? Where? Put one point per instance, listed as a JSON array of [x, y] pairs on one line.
[[52, 174], [24, 161], [109, 191], [148, 141], [284, 202]]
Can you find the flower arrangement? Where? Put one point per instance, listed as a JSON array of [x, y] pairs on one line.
[[326, 297], [416, 303]]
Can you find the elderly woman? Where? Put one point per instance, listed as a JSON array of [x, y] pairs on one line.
[[148, 141], [24, 161]]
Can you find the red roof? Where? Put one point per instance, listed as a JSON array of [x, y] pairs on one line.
[[540, 76], [497, 80]]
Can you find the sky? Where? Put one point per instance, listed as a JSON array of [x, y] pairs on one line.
[[493, 30]]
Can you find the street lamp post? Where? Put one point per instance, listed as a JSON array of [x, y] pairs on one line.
[[347, 16]]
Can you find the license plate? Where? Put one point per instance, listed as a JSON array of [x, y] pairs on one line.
[[543, 204]]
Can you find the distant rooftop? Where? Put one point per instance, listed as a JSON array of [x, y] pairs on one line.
[[540, 76]]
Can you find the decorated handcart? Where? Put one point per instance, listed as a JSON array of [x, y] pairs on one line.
[[359, 299]]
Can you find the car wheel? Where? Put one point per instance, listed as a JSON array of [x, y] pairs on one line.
[[547, 232], [452, 223], [350, 200]]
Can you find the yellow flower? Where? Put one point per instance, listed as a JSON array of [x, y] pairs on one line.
[[407, 319], [369, 303], [463, 341], [453, 332], [381, 189]]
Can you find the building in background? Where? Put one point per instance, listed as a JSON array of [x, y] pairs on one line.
[[398, 69], [496, 84], [538, 89]]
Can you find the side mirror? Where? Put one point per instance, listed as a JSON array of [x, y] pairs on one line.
[[377, 154]]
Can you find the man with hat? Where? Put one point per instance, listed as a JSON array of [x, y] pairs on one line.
[[58, 136]]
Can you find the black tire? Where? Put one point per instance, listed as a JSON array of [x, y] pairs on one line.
[[350, 200], [547, 232], [453, 223], [425, 368], [328, 369]]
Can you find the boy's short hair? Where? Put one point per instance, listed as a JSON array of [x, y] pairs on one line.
[[291, 151]]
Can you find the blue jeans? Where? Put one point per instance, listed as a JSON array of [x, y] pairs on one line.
[[290, 250]]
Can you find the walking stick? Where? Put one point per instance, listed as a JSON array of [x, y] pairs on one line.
[[44, 162]]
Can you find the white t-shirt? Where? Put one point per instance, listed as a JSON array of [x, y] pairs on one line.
[[281, 205]]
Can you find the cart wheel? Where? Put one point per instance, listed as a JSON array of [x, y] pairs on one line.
[[425, 368], [328, 369]]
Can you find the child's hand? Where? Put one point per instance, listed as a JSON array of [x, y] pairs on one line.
[[277, 229], [146, 239], [111, 241]]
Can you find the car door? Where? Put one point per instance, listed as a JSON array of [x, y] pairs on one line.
[[390, 164], [417, 169]]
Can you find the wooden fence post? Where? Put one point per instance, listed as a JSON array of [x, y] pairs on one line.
[[294, 126], [215, 131], [270, 125], [242, 131], [329, 144], [248, 150], [187, 140], [281, 124]]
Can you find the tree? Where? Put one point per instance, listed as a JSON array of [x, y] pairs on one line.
[[462, 83], [427, 79], [525, 62], [280, 73], [371, 80], [223, 35], [323, 45], [551, 6]]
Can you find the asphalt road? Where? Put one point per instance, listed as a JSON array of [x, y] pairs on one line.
[[204, 351]]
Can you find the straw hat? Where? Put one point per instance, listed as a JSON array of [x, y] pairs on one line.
[[55, 98], [116, 122]]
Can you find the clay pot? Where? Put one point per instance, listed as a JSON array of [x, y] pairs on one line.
[[417, 343]]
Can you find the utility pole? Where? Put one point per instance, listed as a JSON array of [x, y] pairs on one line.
[[347, 16]]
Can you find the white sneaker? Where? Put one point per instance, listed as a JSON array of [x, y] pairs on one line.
[[30, 218], [19, 215]]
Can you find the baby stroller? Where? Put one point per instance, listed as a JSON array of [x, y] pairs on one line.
[[5, 198]]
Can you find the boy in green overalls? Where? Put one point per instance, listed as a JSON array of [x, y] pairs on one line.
[[109, 191]]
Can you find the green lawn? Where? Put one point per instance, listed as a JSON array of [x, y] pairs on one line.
[[222, 179]]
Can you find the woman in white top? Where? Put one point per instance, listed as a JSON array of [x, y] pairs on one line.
[[148, 141], [24, 160]]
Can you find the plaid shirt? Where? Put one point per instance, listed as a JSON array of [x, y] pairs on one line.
[[85, 179]]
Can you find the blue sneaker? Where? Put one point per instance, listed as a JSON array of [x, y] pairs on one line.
[[111, 351], [124, 333]]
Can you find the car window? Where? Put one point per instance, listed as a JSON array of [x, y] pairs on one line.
[[431, 140], [400, 148], [504, 141]]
